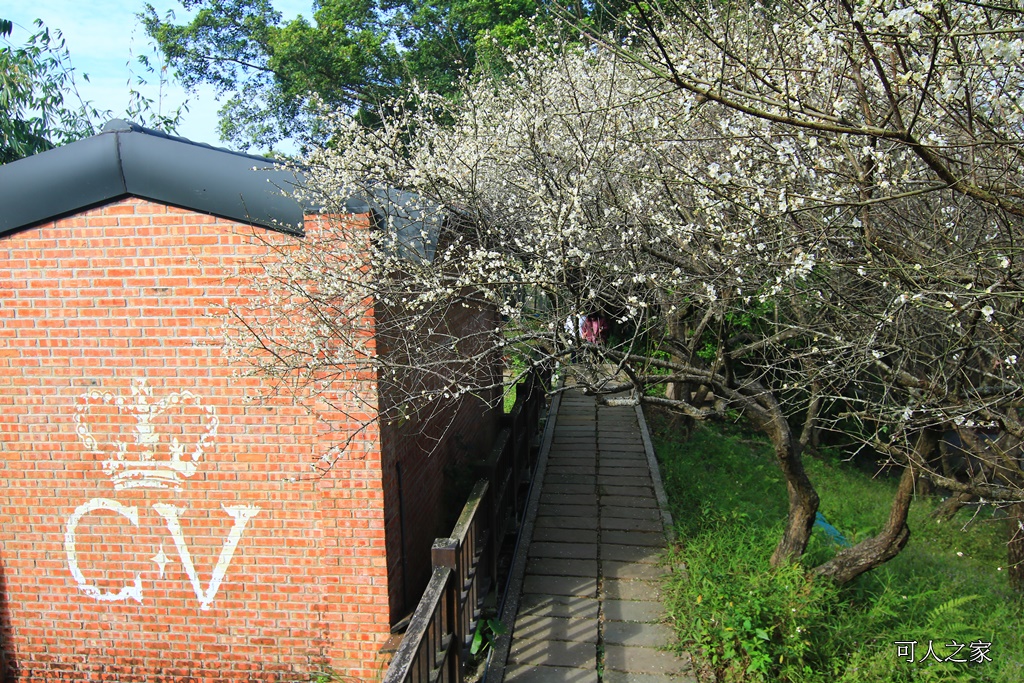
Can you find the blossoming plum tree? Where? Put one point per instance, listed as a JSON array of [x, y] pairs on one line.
[[807, 212], [908, 120]]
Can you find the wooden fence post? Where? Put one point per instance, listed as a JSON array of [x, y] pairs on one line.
[[445, 553]]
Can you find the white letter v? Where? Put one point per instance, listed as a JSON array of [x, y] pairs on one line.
[[240, 513]]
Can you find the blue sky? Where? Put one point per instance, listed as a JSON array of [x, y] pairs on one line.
[[102, 37]]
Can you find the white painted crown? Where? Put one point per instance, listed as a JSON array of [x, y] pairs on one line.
[[143, 460]]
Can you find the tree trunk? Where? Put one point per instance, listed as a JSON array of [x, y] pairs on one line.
[[803, 499], [1015, 547], [870, 553], [803, 507], [949, 507], [677, 391], [809, 434]]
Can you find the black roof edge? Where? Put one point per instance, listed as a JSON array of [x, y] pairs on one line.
[[410, 223], [128, 160], [122, 126]]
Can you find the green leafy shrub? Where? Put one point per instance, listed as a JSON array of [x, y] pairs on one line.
[[748, 622], [485, 635]]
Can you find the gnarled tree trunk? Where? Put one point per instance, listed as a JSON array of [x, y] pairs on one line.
[[949, 507], [803, 506], [803, 499], [872, 552]]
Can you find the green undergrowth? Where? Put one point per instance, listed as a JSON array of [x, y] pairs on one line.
[[745, 621]]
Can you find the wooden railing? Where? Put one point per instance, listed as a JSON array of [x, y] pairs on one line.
[[440, 632], [426, 652]]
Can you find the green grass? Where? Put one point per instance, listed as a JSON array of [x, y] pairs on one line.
[[748, 622], [509, 399]]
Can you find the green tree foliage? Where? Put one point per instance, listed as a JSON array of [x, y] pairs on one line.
[[36, 86], [352, 54], [40, 106]]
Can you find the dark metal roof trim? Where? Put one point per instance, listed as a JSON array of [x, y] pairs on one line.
[[129, 160], [410, 224]]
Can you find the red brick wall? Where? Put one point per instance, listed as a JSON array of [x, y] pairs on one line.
[[133, 291]]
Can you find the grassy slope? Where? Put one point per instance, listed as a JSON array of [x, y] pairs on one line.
[[759, 624]]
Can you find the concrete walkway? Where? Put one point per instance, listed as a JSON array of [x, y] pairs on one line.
[[589, 607]]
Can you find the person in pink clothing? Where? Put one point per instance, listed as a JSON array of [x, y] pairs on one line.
[[595, 329]]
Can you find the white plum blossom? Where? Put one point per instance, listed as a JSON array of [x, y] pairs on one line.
[[845, 177]]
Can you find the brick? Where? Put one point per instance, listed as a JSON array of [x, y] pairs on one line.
[[579, 551], [628, 511], [133, 290], [559, 606], [626, 524], [623, 677], [646, 635], [560, 567], [630, 553], [651, 539], [553, 522], [630, 589], [613, 569], [566, 535], [577, 586], [535, 627], [630, 491]]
